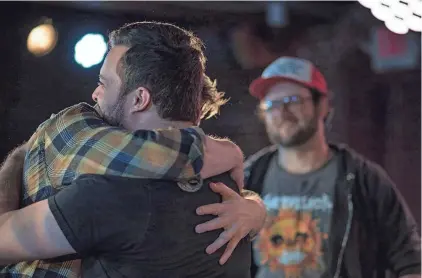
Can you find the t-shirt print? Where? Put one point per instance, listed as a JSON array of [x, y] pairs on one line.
[[291, 243]]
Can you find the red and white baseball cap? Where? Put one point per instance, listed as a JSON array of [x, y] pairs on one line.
[[289, 69]]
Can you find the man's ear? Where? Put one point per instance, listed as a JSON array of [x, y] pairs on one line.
[[329, 119], [141, 100]]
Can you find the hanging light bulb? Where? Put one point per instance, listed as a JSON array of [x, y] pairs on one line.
[[42, 39]]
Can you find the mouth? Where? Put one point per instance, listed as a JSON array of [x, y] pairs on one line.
[[286, 128], [291, 257]]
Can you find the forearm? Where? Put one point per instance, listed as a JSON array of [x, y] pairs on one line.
[[31, 233], [5, 254], [220, 156], [11, 179], [10, 251]]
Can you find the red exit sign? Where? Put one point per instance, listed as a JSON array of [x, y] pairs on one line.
[[390, 51]]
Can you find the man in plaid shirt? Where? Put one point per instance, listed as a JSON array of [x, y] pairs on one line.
[[77, 141]]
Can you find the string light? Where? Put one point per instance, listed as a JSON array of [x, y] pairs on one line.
[[397, 26], [398, 15], [366, 3]]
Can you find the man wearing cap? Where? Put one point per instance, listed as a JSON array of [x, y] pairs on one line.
[[331, 212]]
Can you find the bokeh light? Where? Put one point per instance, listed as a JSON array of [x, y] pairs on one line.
[[90, 50], [42, 40]]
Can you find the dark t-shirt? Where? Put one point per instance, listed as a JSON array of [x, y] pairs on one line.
[[127, 227]]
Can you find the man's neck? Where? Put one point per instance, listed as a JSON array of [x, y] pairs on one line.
[[172, 124], [151, 119], [150, 124], [306, 158]]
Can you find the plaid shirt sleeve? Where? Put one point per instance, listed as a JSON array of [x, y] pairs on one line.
[[77, 141], [80, 134]]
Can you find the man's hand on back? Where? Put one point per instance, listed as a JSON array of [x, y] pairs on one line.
[[222, 155], [238, 216]]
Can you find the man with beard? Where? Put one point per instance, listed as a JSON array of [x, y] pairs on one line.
[[99, 207], [331, 212]]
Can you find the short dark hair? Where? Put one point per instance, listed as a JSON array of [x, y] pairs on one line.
[[316, 95], [169, 62]]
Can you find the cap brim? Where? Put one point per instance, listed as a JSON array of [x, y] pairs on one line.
[[260, 86]]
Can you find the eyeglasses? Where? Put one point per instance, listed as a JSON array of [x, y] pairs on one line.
[[287, 101]]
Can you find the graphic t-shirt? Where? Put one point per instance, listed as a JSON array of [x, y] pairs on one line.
[[294, 241]]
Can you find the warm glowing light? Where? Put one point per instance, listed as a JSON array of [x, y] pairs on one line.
[[42, 40]]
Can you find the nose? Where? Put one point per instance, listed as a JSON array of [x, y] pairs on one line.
[[282, 112], [96, 94], [280, 115], [278, 112]]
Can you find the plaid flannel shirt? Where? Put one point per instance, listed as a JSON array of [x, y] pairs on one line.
[[77, 141]]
